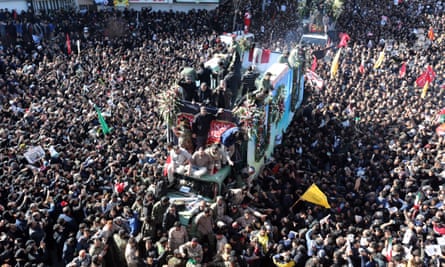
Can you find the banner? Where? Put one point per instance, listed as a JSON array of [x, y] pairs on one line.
[[314, 195], [314, 79], [33, 154], [184, 117], [314, 63], [217, 128]]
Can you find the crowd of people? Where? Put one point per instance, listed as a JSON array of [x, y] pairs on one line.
[[367, 139]]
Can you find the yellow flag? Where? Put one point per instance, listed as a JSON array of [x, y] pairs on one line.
[[440, 39], [424, 90], [335, 62], [314, 195], [379, 61], [120, 3]]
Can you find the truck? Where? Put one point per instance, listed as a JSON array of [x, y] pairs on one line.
[[264, 126]]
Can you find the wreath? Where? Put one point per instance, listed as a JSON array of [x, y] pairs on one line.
[[168, 104], [277, 105], [249, 116], [244, 44]]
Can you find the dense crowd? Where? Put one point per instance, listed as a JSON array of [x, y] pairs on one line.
[[366, 138]]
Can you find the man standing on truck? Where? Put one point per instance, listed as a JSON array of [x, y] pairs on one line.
[[248, 80], [233, 81], [284, 58], [188, 89], [201, 126], [265, 88], [179, 160], [229, 138], [200, 164]]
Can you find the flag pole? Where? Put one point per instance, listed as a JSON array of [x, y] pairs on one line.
[[295, 203]]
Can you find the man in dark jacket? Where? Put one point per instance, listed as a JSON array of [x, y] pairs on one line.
[[188, 89], [204, 74], [201, 126], [248, 80]]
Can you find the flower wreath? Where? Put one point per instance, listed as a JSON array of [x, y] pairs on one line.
[[169, 105]]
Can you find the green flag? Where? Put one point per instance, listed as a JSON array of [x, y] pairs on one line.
[[102, 121]]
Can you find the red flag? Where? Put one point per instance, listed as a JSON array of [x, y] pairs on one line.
[[431, 34], [421, 80], [68, 44], [402, 70], [361, 68], [119, 187], [167, 162], [427, 76], [314, 79], [265, 56], [314, 64], [344, 39], [431, 74], [247, 19]]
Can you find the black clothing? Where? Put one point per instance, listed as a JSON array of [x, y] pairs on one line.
[[188, 90]]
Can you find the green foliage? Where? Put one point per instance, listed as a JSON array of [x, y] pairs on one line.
[[244, 44], [335, 7]]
